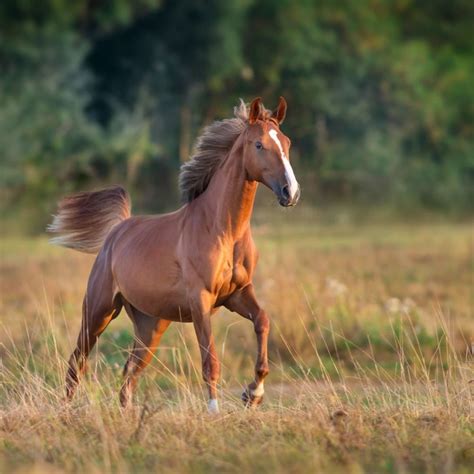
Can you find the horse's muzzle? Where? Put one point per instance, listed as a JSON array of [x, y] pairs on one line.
[[284, 196]]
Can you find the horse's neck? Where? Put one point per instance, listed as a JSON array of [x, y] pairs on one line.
[[230, 197]]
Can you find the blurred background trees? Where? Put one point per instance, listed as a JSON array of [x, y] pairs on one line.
[[380, 93]]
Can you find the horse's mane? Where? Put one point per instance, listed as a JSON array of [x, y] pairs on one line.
[[211, 147]]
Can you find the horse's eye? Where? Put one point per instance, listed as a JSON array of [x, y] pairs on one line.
[[258, 145]]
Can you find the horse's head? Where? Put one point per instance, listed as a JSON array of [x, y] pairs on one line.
[[266, 152]]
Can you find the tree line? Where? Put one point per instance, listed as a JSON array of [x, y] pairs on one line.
[[380, 94]]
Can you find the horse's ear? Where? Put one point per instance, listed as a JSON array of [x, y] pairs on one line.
[[255, 110], [279, 113]]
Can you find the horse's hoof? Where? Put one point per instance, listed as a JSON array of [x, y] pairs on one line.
[[250, 400]]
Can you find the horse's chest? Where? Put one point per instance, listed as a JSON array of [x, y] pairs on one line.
[[235, 276]]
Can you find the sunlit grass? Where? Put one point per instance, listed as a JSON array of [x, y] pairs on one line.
[[371, 364], [371, 418]]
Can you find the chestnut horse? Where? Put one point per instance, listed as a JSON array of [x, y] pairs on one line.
[[184, 265]]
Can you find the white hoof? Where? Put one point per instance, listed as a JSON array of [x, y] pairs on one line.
[[213, 406]]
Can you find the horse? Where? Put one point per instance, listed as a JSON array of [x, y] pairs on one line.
[[182, 266]]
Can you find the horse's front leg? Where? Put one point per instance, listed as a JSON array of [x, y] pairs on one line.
[[201, 314], [245, 303]]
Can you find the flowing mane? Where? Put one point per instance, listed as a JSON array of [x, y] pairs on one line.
[[212, 146]]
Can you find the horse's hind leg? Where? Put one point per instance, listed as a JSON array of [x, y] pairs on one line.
[[98, 309], [148, 332]]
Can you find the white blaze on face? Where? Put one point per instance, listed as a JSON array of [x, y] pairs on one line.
[[290, 175]]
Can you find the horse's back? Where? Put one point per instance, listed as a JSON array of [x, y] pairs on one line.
[[141, 237]]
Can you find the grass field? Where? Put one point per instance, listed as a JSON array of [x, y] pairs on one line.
[[371, 362]]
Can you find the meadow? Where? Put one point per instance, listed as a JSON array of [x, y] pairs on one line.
[[370, 350]]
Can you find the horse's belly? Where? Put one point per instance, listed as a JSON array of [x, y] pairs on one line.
[[159, 292], [171, 305]]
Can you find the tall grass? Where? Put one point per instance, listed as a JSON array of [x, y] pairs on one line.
[[414, 419], [371, 368]]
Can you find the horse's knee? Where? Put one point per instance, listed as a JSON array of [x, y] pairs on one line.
[[262, 323], [211, 370]]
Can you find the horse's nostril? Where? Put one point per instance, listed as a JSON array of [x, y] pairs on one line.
[[285, 191]]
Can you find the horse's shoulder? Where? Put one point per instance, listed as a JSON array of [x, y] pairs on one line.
[[245, 252]]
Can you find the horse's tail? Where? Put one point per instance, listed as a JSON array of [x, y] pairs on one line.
[[85, 219]]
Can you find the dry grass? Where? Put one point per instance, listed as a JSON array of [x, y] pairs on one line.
[[370, 362]]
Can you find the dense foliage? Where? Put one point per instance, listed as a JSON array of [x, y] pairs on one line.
[[380, 93]]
